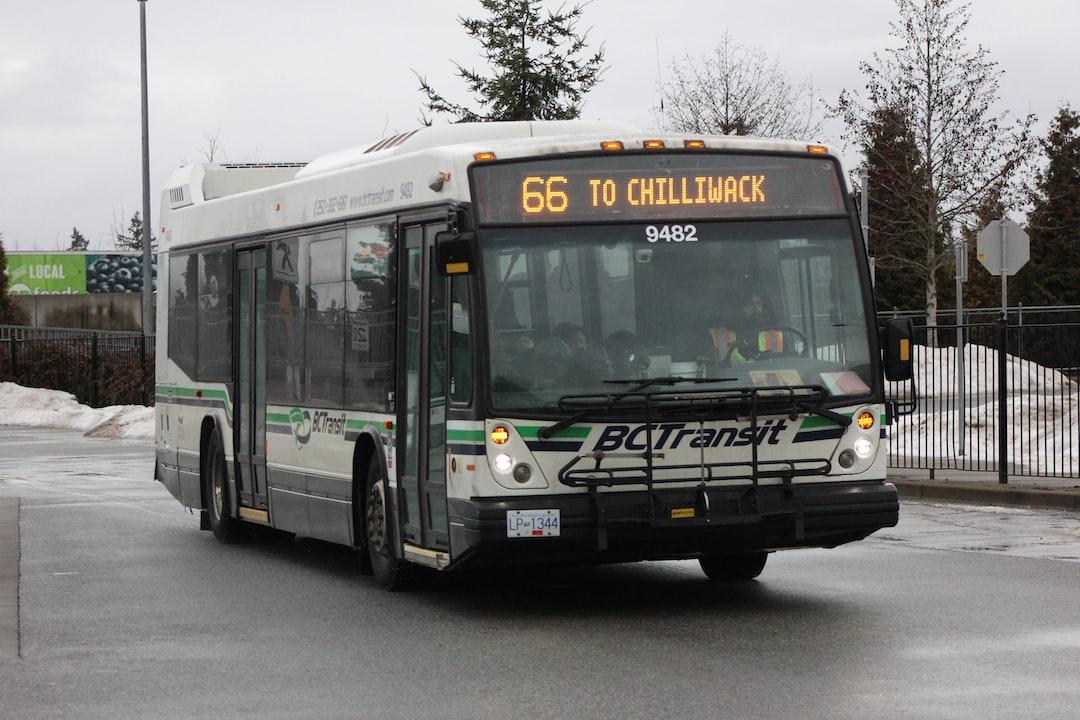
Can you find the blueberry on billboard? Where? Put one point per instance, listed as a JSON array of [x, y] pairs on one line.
[[76, 273]]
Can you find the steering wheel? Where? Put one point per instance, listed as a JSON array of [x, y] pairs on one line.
[[786, 330]]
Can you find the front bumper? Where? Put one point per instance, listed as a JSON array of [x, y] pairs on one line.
[[626, 526]]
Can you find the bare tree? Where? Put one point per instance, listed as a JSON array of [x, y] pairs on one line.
[[736, 90], [964, 148], [213, 147]]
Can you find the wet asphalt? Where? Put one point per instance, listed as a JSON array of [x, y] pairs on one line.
[[126, 610]]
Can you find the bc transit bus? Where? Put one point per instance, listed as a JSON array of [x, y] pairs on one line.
[[527, 342]]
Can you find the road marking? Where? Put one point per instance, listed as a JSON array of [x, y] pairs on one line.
[[9, 578]]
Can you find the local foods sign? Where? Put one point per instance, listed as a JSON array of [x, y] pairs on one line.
[[75, 273]]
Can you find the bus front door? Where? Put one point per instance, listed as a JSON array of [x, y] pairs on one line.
[[422, 415], [250, 411]]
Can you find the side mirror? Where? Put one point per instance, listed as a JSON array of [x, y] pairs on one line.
[[897, 347], [456, 253]]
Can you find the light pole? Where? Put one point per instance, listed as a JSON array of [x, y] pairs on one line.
[[147, 228]]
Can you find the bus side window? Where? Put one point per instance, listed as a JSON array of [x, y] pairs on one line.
[[324, 327], [460, 341], [183, 312], [215, 316], [371, 311], [284, 324]]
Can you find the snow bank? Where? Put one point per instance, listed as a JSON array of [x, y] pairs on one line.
[[936, 374], [37, 407], [1043, 438]]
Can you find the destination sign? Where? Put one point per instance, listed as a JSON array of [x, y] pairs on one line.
[[653, 187]]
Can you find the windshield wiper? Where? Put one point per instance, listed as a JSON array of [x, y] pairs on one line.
[[816, 409], [566, 422]]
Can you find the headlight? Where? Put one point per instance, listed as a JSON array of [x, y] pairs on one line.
[[503, 463], [863, 447]]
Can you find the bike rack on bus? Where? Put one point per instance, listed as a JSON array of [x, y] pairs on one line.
[[700, 405]]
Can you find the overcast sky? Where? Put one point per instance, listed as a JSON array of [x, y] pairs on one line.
[[279, 81]]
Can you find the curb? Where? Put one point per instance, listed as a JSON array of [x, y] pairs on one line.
[[985, 493]]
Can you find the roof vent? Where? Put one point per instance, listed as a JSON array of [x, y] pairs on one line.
[[387, 143], [178, 197]]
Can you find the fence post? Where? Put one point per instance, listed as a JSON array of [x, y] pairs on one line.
[[143, 370], [94, 370], [14, 361], [1003, 417]]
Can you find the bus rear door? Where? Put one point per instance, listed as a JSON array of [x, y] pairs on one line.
[[250, 439]]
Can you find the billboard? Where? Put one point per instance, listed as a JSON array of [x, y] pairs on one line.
[[73, 273]]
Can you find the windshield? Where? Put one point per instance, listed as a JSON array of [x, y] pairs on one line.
[[760, 303]]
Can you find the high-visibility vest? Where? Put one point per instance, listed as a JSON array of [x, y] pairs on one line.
[[724, 342], [771, 341]]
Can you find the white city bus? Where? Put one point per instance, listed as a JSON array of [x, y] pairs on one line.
[[527, 342]]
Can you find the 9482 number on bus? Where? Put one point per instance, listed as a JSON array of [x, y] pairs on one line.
[[671, 233]]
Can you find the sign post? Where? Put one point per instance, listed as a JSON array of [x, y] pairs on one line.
[[1003, 248], [960, 255]]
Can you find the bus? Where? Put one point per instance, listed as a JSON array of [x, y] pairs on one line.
[[527, 342]]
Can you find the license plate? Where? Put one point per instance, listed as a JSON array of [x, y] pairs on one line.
[[532, 523]]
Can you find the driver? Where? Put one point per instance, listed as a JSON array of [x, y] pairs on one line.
[[750, 332]]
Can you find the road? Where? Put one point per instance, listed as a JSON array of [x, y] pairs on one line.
[[127, 610]]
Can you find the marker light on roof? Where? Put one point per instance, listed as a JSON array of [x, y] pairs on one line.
[[653, 144], [695, 144], [817, 149], [611, 145], [484, 156]]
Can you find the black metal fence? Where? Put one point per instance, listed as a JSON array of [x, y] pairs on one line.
[[964, 382], [98, 370]]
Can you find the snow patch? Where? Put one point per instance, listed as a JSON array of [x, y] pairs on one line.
[[38, 407]]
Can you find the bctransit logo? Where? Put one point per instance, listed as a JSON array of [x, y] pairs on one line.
[[673, 436], [300, 420]]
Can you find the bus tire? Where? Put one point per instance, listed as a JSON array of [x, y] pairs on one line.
[[225, 527], [389, 571], [738, 567]]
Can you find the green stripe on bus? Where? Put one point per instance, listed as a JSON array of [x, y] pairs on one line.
[[465, 435], [815, 421], [282, 418], [361, 424], [184, 392], [533, 431]]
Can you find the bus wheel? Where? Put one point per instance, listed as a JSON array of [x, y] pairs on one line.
[[734, 568], [225, 527], [389, 571]]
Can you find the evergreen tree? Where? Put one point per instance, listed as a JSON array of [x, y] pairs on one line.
[[1052, 276], [78, 241], [948, 92], [539, 66], [10, 312], [131, 239], [897, 187]]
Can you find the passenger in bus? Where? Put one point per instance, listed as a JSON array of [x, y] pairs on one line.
[[586, 364], [625, 355], [513, 358]]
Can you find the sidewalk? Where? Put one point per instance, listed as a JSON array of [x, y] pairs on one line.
[[983, 487]]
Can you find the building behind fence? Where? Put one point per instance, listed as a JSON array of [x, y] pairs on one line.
[[98, 368]]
